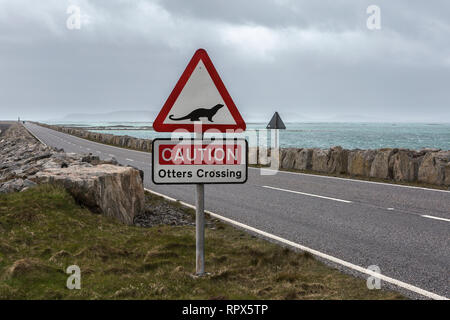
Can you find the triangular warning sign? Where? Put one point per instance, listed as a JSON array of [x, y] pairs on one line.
[[276, 122], [199, 95]]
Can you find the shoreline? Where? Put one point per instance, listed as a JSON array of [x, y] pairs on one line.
[[413, 136], [425, 167]]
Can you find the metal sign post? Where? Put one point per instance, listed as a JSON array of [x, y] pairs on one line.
[[200, 223], [200, 230]]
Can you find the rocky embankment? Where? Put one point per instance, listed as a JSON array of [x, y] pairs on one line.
[[111, 139], [102, 186], [428, 166]]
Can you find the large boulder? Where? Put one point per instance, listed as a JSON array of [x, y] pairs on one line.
[[12, 186], [360, 162], [112, 190], [304, 159], [297, 159], [447, 174], [333, 160], [405, 165], [433, 167], [338, 161], [381, 166], [320, 160], [288, 158]]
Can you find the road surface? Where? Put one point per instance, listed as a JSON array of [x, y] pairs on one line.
[[405, 231]]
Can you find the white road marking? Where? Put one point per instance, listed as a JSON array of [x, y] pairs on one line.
[[35, 136], [308, 194], [436, 218], [111, 155], [390, 209], [322, 255], [352, 180], [129, 159]]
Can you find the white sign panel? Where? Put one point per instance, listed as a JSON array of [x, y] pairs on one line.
[[199, 96], [199, 161], [215, 110]]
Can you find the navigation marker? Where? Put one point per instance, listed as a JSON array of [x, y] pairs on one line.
[[276, 122]]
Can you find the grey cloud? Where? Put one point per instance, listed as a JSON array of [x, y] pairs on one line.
[[309, 59]]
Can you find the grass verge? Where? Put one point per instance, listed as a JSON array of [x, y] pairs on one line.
[[43, 231]]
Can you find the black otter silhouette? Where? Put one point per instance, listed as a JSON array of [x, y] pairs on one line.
[[196, 114]]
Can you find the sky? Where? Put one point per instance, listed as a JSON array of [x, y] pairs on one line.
[[308, 60]]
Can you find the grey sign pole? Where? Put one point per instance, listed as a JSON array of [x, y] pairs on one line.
[[276, 124], [200, 223]]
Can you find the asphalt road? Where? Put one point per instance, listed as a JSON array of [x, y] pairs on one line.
[[405, 231]]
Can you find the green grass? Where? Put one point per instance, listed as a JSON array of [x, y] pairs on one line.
[[43, 231]]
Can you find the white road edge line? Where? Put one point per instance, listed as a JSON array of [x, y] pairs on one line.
[[307, 194], [344, 263], [352, 180], [34, 135], [433, 217]]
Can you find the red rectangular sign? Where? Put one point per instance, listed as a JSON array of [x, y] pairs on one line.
[[200, 154], [190, 161]]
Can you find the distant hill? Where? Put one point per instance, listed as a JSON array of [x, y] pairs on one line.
[[138, 115]]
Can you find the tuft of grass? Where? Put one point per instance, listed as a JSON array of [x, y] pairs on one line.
[[43, 231]]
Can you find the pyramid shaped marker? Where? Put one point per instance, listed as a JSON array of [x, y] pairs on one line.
[[276, 122]]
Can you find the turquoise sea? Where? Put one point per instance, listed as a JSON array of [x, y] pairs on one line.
[[318, 134]]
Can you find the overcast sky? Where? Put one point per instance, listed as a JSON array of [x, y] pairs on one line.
[[309, 60]]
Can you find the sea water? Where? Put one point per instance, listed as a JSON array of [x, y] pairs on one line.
[[319, 134]]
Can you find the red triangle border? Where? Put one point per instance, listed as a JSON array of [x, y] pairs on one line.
[[200, 54]]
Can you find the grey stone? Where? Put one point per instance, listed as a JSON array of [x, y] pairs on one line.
[[112, 190], [433, 167], [381, 166]]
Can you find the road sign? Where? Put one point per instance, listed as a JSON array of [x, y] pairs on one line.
[[276, 122], [199, 95], [192, 161]]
